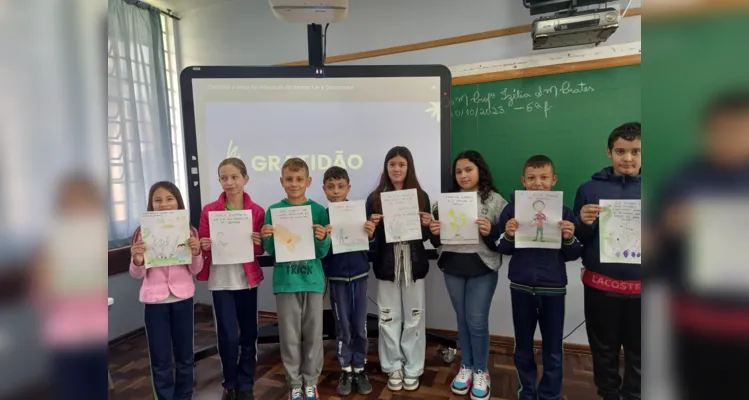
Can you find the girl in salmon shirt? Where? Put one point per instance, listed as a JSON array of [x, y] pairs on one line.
[[168, 296]]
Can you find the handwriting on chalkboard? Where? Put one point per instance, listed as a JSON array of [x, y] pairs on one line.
[[505, 101]]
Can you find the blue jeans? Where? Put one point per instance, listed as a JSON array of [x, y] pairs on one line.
[[547, 311], [170, 327], [236, 328], [472, 299], [349, 301]]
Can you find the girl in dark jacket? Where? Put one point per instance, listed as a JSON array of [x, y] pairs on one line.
[[400, 268]]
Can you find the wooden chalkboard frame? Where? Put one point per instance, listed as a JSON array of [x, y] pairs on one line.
[[549, 70]]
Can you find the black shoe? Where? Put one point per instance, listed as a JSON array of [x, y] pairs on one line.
[[361, 380], [344, 383], [229, 394], [245, 395]]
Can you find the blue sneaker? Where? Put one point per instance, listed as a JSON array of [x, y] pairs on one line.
[[462, 382], [296, 394], [481, 386]]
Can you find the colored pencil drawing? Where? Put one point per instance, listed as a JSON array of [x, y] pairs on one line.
[[293, 236], [620, 231], [164, 235], [539, 219], [459, 214], [396, 228], [347, 219], [231, 237], [538, 214], [288, 238]]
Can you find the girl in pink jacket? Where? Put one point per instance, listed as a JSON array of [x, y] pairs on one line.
[[167, 293], [234, 286]]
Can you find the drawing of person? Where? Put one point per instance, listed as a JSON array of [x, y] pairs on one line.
[[539, 218]]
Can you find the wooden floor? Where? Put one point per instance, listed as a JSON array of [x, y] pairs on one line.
[[128, 362]]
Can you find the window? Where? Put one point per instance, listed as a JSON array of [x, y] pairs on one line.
[[145, 143], [175, 107]]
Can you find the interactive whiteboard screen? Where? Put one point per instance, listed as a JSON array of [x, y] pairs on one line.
[[349, 118]]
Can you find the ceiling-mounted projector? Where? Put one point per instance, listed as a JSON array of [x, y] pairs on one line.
[[575, 28], [310, 11]]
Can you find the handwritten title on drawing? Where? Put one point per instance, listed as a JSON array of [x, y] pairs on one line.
[[505, 101]]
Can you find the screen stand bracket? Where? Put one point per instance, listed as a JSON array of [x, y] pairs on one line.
[[315, 49]]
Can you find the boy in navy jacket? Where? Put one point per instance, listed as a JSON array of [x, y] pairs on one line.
[[538, 280], [612, 290], [347, 276], [708, 321]]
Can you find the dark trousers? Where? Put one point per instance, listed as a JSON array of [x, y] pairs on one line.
[[236, 327], [169, 327], [349, 302], [546, 310], [711, 367], [80, 374], [613, 322]]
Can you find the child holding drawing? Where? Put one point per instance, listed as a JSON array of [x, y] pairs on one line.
[[471, 275], [538, 280], [347, 276], [400, 268], [299, 286], [234, 286], [167, 293], [612, 290]]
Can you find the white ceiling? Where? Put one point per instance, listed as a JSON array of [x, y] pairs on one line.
[[181, 6]]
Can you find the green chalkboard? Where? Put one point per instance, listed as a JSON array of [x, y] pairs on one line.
[[688, 63], [566, 117]]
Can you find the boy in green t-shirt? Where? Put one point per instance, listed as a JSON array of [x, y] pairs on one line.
[[299, 287]]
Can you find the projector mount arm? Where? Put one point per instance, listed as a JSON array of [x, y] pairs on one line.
[[316, 43]]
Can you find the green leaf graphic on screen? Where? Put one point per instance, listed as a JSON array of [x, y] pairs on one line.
[[456, 222]]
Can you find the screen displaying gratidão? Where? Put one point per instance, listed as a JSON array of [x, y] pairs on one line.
[[349, 122]]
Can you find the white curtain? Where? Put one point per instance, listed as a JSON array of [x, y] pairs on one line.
[[139, 139]]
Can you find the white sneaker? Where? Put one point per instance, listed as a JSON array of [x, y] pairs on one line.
[[481, 389], [411, 383], [462, 382], [395, 380]]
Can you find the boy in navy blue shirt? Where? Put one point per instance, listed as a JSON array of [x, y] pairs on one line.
[[538, 280], [612, 290], [347, 276], [709, 323]]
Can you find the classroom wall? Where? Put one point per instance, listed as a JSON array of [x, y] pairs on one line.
[[126, 315], [246, 33]]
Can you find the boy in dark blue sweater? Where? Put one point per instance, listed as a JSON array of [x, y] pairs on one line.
[[538, 280], [347, 276], [612, 290]]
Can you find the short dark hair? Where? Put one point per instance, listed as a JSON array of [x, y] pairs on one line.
[[295, 164], [335, 172], [629, 131], [538, 161], [734, 101]]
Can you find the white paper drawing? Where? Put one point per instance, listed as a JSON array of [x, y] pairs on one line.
[[538, 214], [293, 237], [164, 235], [347, 219], [400, 214], [716, 231], [74, 267], [458, 213], [619, 229], [231, 237]]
